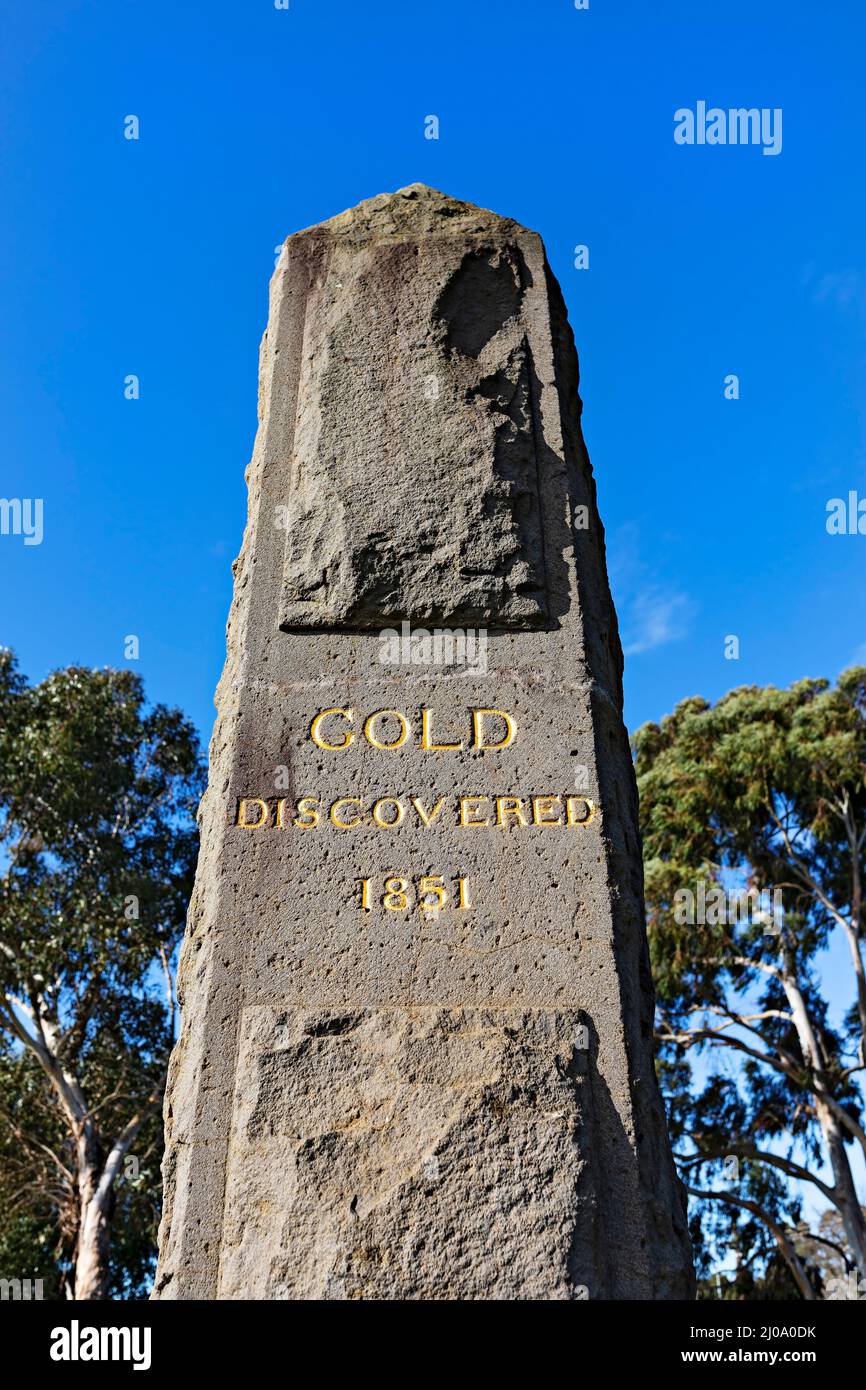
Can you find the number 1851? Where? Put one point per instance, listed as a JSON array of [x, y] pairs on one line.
[[400, 894]]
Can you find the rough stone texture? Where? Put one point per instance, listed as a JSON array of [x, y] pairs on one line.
[[418, 1104], [413, 489], [411, 1102]]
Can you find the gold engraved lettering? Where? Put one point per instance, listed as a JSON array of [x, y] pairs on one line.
[[428, 817], [335, 817], [509, 806], [429, 893], [478, 716], [432, 885], [468, 808], [542, 806], [382, 714], [427, 737], [388, 801], [573, 817], [395, 899], [307, 807], [242, 820], [316, 725]]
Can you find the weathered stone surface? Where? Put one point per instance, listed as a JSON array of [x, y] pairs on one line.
[[410, 1102], [419, 1101], [413, 488]]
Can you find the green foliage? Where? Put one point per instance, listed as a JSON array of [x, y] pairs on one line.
[[766, 790], [98, 795]]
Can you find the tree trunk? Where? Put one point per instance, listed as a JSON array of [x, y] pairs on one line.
[[845, 1191], [94, 1225], [91, 1259]]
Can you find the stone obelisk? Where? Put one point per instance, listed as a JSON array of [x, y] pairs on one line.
[[416, 1057]]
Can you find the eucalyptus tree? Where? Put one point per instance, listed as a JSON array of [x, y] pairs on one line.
[[753, 815], [98, 794]]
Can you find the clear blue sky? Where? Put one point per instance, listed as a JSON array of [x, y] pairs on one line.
[[153, 257]]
